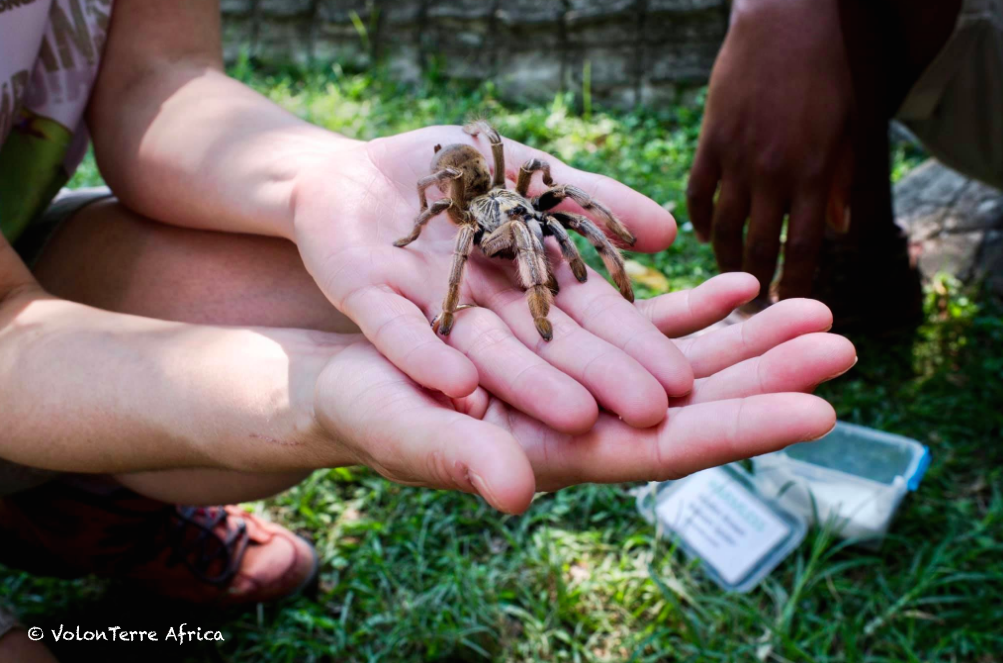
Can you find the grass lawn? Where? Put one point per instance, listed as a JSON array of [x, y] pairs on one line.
[[420, 575]]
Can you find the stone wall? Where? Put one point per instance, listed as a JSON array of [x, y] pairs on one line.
[[629, 50]]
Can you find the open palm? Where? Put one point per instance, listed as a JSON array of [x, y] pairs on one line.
[[605, 353], [748, 399]]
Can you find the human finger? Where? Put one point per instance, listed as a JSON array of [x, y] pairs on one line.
[[721, 348], [686, 311], [798, 365], [412, 437]]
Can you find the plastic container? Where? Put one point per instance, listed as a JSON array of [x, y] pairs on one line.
[[854, 477], [719, 517]]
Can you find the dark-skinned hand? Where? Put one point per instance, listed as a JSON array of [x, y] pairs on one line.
[[775, 140]]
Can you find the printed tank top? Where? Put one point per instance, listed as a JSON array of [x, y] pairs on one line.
[[50, 51]]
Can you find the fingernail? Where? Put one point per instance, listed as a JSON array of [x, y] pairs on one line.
[[833, 377], [812, 439], [482, 489]]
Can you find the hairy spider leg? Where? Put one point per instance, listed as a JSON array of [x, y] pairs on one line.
[[534, 272], [552, 283], [526, 175], [497, 149], [439, 178], [437, 320], [568, 248], [535, 225], [533, 268], [437, 208], [464, 242], [552, 198], [610, 255]]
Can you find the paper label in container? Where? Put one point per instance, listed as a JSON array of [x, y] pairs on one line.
[[723, 522]]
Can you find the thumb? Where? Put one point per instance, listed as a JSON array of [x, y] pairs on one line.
[[415, 437]]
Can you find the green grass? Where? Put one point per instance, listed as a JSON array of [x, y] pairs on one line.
[[421, 575]]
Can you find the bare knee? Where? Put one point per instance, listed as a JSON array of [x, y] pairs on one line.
[[111, 258], [17, 646]]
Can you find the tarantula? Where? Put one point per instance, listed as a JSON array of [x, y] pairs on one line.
[[508, 224]]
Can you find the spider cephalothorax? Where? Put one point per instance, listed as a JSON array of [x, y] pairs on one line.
[[508, 224]]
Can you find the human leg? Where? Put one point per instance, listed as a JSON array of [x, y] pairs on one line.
[[865, 273], [15, 645], [108, 257]]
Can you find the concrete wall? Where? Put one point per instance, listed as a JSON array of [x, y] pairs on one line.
[[636, 50]]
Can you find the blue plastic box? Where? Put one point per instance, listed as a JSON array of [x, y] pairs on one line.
[[854, 477]]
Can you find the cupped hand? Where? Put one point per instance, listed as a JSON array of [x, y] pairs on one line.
[[775, 140], [604, 353], [749, 398]]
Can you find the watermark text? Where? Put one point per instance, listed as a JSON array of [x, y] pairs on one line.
[[181, 634]]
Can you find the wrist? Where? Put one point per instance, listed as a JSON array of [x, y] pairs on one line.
[[307, 151], [86, 390], [323, 180], [750, 11], [787, 35], [15, 297], [81, 389], [253, 395]]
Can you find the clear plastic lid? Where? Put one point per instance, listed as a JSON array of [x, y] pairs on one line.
[[866, 453], [854, 478]]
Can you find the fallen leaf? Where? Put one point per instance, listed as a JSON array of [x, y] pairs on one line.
[[646, 276]]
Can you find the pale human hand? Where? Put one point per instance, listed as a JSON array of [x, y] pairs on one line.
[[749, 398], [352, 205]]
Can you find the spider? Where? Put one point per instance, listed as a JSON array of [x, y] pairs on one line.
[[508, 224]]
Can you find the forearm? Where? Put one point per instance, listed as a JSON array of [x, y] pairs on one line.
[[180, 142], [199, 149], [85, 390], [788, 19]]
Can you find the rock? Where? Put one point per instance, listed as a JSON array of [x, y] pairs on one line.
[[683, 6], [671, 63], [954, 253], [238, 38], [283, 41], [992, 261], [285, 8], [334, 42], [465, 47], [680, 47], [533, 73], [404, 63], [236, 7], [460, 9], [590, 10], [530, 12], [400, 11], [604, 34], [340, 11], [609, 67], [955, 224]]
